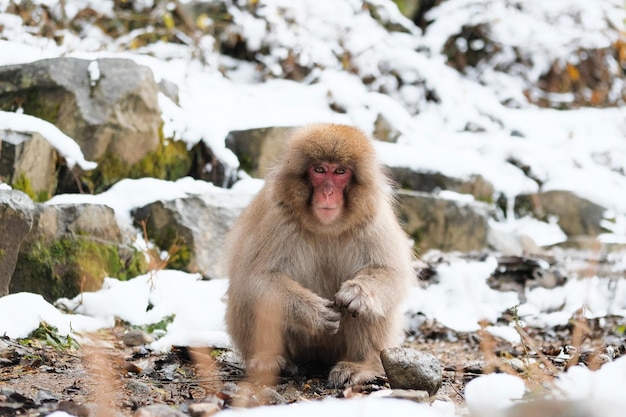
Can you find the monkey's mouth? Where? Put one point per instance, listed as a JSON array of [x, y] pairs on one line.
[[327, 214], [328, 209]]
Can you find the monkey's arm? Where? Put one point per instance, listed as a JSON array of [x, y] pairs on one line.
[[265, 310], [304, 311]]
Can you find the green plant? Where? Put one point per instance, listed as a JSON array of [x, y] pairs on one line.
[[50, 336]]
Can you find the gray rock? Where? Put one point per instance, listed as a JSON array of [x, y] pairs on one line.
[[116, 109], [429, 182], [136, 337], [44, 395], [439, 223], [95, 221], [170, 90], [409, 369], [70, 249], [575, 215], [199, 224], [138, 388], [28, 160], [16, 221], [109, 106], [257, 149]]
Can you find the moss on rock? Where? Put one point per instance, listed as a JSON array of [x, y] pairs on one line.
[[22, 183], [170, 161], [69, 265], [168, 239], [34, 101]]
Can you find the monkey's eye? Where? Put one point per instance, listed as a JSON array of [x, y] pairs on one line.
[[340, 171], [319, 169]]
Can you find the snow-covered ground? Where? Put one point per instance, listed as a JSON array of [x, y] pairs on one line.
[[579, 150], [459, 301]]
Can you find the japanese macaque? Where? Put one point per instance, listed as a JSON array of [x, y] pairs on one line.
[[318, 263]]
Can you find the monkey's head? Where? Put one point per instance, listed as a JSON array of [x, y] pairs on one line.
[[329, 180]]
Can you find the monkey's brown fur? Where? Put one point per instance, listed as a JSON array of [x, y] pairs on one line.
[[306, 292]]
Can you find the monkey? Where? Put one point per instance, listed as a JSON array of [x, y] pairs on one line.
[[318, 262]]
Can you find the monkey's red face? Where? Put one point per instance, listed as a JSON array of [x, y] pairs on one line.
[[329, 182]]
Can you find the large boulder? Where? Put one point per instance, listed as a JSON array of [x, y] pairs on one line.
[[257, 149], [441, 223], [95, 221], [427, 181], [192, 229], [109, 106], [16, 220], [575, 215], [28, 163], [72, 248]]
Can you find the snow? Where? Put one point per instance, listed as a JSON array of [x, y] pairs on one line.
[[509, 333], [491, 393], [537, 30], [604, 385], [359, 407], [579, 150], [18, 122], [462, 298], [542, 233], [459, 301], [17, 322], [129, 194], [197, 306], [94, 73]]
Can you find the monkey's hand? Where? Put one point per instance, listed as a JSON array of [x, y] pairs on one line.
[[354, 297], [314, 313]]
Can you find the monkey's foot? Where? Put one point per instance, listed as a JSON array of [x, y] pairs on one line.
[[265, 368], [352, 373]]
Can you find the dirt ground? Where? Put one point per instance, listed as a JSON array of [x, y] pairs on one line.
[[36, 378]]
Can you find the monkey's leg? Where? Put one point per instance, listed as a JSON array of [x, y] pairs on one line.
[[360, 362], [266, 344], [353, 373], [371, 323], [283, 308]]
